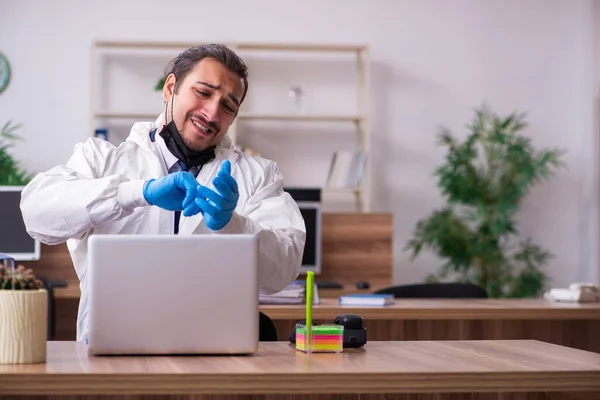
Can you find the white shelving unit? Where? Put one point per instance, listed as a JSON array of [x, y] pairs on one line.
[[358, 119]]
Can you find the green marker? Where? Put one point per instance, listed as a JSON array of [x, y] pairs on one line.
[[310, 284]]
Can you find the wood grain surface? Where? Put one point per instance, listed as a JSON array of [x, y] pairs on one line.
[[447, 309], [357, 247], [380, 367], [573, 325], [385, 396], [583, 335]]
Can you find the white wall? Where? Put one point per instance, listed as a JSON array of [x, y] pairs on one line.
[[596, 128], [433, 62]]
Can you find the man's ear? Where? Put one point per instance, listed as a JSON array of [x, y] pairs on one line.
[[169, 87]]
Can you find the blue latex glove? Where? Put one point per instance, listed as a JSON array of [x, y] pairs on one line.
[[171, 192], [217, 207]]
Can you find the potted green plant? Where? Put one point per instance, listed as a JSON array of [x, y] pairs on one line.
[[23, 315], [484, 179], [11, 173]]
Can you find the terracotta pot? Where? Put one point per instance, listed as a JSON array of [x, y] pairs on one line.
[[23, 326]]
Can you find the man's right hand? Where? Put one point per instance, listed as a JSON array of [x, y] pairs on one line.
[[171, 192]]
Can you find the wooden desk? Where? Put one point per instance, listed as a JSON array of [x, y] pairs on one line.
[[573, 325], [433, 370]]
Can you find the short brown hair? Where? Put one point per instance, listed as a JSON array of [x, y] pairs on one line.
[[181, 65]]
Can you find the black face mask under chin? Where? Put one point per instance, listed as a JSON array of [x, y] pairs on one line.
[[177, 146]]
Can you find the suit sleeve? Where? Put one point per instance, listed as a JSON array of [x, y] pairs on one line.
[[69, 200]]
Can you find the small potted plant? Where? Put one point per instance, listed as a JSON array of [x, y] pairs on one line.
[[23, 315]]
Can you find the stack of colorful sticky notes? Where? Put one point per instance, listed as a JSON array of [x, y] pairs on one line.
[[324, 339]]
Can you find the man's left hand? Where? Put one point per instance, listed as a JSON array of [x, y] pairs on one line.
[[217, 207]]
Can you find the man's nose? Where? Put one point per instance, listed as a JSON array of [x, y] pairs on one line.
[[210, 109]]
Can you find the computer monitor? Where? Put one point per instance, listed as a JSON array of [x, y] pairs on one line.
[[14, 239], [309, 203]]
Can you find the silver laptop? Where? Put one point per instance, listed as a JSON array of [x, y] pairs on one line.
[[172, 294]]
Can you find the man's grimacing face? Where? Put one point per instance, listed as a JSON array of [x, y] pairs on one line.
[[205, 104]]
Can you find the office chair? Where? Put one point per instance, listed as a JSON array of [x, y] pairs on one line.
[[266, 328], [454, 290]]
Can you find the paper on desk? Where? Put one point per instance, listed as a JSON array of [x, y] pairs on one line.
[[576, 293], [295, 293]]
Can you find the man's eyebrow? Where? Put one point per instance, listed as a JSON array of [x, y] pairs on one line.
[[216, 87], [234, 99], [210, 85]]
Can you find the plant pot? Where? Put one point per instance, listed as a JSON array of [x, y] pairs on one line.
[[23, 326]]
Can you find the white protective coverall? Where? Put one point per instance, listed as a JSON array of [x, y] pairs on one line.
[[100, 191]]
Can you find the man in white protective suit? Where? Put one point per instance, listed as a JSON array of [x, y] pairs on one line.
[[179, 174]]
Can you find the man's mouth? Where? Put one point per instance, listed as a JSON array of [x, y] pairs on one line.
[[202, 127]]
